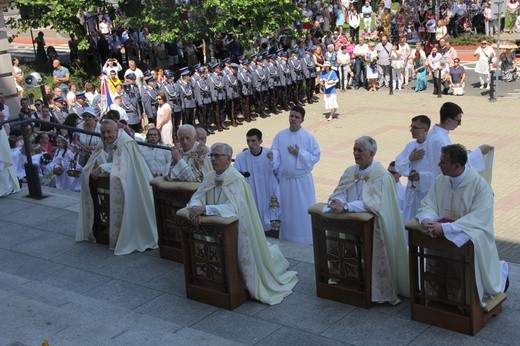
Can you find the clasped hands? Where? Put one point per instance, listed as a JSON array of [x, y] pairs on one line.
[[336, 205], [433, 229], [195, 213]]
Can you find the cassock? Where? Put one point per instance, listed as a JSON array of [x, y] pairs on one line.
[[263, 266], [468, 200], [262, 181], [192, 168], [297, 192], [414, 192], [8, 180], [132, 215], [373, 190], [438, 138]]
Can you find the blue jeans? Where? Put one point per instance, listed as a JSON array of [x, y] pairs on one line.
[[358, 68]]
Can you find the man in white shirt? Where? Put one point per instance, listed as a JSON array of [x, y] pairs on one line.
[[158, 160], [118, 106], [132, 68], [434, 62], [359, 54]]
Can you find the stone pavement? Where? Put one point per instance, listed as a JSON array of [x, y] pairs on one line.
[[80, 293]]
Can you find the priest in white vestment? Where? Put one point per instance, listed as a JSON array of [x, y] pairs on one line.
[[190, 160], [8, 180], [438, 137], [132, 224], [460, 206], [299, 152], [225, 192], [412, 163], [258, 165], [369, 187]]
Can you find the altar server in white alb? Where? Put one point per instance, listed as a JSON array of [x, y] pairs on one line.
[[8, 180], [258, 165], [460, 206], [411, 163], [299, 152]]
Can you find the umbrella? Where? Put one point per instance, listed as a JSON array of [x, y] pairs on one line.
[[506, 45]]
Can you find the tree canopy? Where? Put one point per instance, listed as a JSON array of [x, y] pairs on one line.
[[165, 19]]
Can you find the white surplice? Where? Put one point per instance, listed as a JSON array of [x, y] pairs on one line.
[[132, 214], [414, 194], [262, 265], [262, 180], [297, 191]]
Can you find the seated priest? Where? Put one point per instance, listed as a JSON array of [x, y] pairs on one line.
[[190, 160], [367, 186], [459, 206], [132, 225], [224, 192]]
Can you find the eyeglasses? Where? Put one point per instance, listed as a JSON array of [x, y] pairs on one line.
[[37, 105], [217, 155]]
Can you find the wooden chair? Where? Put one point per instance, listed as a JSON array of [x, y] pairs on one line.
[[210, 260], [100, 192], [169, 197], [343, 255], [442, 284]]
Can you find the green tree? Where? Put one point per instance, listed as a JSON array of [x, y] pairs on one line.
[[165, 20]]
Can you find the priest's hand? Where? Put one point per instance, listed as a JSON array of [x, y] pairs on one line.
[[416, 154], [195, 213], [414, 176], [270, 155], [433, 229], [484, 148], [336, 205], [95, 173], [176, 154]]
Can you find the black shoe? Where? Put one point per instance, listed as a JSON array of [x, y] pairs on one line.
[[238, 122], [272, 234], [210, 131], [224, 127]]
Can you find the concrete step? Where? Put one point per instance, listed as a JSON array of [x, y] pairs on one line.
[[63, 317]]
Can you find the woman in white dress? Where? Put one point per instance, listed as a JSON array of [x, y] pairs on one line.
[[371, 61], [164, 119], [398, 64], [18, 77], [484, 54]]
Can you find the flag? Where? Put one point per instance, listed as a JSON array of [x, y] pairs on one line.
[[106, 98]]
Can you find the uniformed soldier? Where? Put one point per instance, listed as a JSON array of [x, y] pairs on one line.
[[149, 99], [78, 107], [173, 95], [273, 83], [246, 89], [286, 81], [310, 72], [233, 94], [297, 75], [130, 102], [218, 95], [260, 84], [227, 67], [59, 109], [189, 103], [202, 91]]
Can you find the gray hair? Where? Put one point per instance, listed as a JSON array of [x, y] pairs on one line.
[[186, 127], [330, 45], [368, 142], [226, 149]]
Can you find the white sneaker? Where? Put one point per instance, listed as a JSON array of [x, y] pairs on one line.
[[481, 86], [488, 87]]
